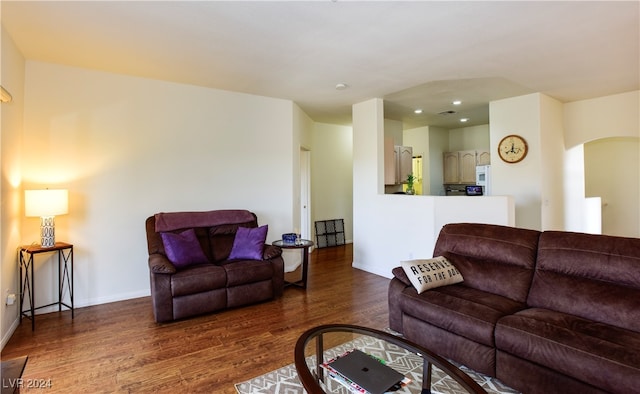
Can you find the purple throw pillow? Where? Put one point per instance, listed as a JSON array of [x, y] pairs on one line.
[[183, 249], [249, 243]]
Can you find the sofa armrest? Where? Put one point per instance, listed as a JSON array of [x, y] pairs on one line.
[[270, 252], [160, 264], [395, 303], [398, 273]]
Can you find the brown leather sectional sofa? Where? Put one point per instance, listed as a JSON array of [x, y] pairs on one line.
[[545, 312], [219, 283]]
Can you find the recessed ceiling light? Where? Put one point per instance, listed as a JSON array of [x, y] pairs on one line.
[[341, 86], [417, 111], [464, 120], [456, 102]]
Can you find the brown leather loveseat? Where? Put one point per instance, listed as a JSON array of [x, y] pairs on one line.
[[545, 312], [207, 280]]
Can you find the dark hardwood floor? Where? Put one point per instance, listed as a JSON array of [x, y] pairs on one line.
[[118, 347]]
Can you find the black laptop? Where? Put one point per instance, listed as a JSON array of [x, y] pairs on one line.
[[367, 372]]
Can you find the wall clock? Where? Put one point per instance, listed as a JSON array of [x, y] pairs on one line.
[[512, 148]]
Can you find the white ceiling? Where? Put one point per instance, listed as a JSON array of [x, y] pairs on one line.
[[413, 54]]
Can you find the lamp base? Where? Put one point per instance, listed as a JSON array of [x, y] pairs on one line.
[[47, 231]]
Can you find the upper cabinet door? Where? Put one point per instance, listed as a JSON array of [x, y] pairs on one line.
[[460, 166], [483, 158], [467, 166], [405, 162], [389, 162], [451, 168]]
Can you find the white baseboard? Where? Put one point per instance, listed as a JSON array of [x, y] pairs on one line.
[[112, 298], [9, 333]]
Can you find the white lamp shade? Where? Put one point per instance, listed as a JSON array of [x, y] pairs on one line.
[[46, 202]]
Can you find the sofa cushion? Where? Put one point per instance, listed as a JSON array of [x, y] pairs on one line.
[[193, 304], [198, 278], [249, 243], [240, 272], [250, 293], [183, 249], [481, 358], [491, 258], [462, 310], [600, 354], [427, 274], [595, 277]]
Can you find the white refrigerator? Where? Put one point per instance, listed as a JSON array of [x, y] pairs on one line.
[[483, 178]]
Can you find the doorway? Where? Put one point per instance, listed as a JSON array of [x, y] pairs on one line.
[[416, 164]]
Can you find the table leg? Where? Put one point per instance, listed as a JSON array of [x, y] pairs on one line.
[[21, 259], [305, 266], [71, 288], [33, 295], [27, 286], [60, 281], [67, 265], [426, 378], [319, 358]]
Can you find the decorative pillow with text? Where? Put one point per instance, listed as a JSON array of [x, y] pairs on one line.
[[430, 273]]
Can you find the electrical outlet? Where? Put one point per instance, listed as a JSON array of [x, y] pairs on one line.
[[11, 299]]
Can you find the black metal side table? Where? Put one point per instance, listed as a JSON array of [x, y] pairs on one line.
[[27, 279], [303, 244]]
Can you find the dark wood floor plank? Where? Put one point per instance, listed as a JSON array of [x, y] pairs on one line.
[[118, 347]]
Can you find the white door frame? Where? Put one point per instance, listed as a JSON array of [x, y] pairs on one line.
[[305, 193]]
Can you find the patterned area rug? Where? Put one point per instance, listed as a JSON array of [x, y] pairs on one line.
[[285, 380]]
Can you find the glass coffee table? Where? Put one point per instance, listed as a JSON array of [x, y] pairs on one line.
[[420, 366]]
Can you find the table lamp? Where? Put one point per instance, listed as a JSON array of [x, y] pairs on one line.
[[46, 204]]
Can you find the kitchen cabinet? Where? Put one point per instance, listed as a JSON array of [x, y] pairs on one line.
[[389, 162], [467, 166], [397, 162], [460, 166], [483, 158], [404, 162], [451, 168]]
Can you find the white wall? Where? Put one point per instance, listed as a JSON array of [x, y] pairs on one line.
[[332, 175], [393, 129], [611, 165], [389, 228], [552, 158], [301, 139], [616, 116], [536, 182], [610, 116], [518, 115], [547, 178], [11, 124], [574, 191], [128, 147], [469, 138]]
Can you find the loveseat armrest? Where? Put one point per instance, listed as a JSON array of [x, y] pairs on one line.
[[270, 252], [160, 264], [398, 273]]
